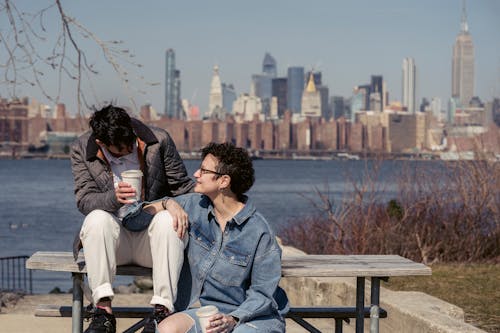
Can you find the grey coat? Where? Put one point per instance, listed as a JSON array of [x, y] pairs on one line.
[[163, 168]]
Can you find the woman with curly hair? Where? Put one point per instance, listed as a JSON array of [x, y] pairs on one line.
[[233, 255]]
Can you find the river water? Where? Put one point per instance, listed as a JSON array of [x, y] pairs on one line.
[[38, 210]]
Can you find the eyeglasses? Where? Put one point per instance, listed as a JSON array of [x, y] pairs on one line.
[[205, 171]]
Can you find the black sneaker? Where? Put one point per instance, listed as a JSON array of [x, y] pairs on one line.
[[102, 322], [159, 313]]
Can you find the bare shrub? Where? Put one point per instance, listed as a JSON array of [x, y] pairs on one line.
[[447, 213]]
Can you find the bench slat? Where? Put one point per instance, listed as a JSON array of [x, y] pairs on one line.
[[64, 262], [300, 266]]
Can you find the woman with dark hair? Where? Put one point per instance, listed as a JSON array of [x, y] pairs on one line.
[[234, 258]]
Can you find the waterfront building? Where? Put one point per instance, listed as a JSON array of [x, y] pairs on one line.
[[262, 87], [462, 74], [377, 89], [401, 131], [247, 107], [228, 97], [376, 101], [295, 88], [280, 92], [338, 107], [148, 113], [437, 109], [409, 84], [367, 90], [424, 105], [14, 124], [215, 103], [173, 107], [324, 94], [323, 90], [311, 100], [358, 101], [273, 114]]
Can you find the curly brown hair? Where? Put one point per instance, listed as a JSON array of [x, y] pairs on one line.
[[234, 162]]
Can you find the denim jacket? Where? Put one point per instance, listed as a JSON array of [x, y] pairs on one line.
[[237, 270]]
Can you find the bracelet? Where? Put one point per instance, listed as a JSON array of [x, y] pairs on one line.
[[164, 203]]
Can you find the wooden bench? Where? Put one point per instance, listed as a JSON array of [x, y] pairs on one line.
[[376, 267]]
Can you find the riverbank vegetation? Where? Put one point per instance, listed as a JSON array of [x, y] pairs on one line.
[[447, 217]]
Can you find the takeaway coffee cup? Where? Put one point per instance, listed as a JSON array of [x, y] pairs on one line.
[[134, 178], [204, 313]]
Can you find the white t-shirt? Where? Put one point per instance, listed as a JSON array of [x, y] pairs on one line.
[[120, 164]]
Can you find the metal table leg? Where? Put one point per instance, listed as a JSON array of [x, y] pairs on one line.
[[77, 306], [375, 305], [360, 304]]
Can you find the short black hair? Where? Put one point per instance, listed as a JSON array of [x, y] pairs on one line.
[[113, 126], [234, 162]]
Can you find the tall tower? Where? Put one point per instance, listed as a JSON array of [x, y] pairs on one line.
[[462, 73], [409, 84], [215, 102], [311, 99], [295, 87], [269, 65], [171, 85]]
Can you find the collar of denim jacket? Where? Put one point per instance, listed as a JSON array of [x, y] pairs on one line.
[[243, 215]]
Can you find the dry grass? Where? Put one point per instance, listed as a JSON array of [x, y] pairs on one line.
[[473, 287]]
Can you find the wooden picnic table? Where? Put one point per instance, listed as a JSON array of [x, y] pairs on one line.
[[375, 267]]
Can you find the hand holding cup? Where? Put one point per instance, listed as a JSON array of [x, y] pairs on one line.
[[134, 179]]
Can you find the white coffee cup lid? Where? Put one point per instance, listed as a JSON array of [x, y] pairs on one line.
[[207, 310], [132, 173]]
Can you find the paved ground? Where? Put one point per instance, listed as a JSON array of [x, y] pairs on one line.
[[21, 318]]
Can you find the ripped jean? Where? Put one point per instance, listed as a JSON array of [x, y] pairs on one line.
[[269, 324]]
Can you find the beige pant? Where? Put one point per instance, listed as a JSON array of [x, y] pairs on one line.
[[107, 244]]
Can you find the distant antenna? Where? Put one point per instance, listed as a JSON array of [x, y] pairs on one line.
[[464, 26]]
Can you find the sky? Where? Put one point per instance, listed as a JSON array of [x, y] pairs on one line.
[[346, 40]]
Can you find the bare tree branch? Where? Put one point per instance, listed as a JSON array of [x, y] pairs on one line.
[[24, 63]]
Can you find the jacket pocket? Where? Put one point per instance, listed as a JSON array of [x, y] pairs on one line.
[[199, 239], [199, 248], [231, 267]]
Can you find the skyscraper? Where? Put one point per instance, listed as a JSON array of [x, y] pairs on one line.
[[295, 87], [262, 85], [409, 84], [462, 73], [376, 94], [280, 92], [228, 97], [311, 100], [172, 86], [269, 66], [215, 102]]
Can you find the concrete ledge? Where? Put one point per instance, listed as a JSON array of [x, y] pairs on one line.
[[408, 312]]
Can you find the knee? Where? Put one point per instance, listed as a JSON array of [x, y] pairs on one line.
[[162, 223], [98, 222]]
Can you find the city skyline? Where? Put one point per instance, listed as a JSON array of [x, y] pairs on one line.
[[347, 42]]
